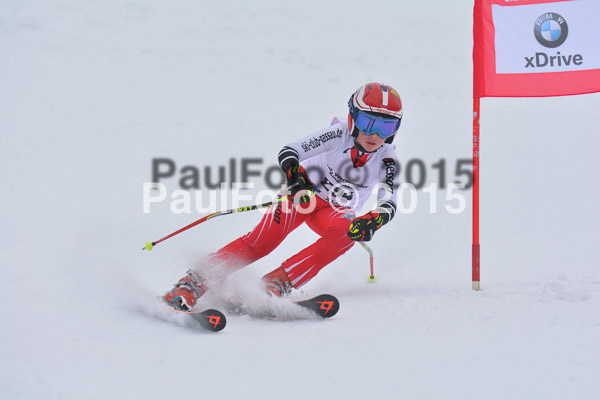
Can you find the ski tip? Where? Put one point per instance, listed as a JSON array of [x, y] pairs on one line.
[[210, 319], [325, 305], [213, 320], [329, 304]]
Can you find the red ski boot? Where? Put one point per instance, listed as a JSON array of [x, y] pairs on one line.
[[277, 283], [187, 291]]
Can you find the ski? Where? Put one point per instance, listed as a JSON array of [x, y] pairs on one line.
[[324, 306], [210, 319]]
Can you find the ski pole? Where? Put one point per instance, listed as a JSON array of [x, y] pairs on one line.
[[150, 245], [372, 277]]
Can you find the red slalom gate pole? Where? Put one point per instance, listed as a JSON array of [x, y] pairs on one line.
[[475, 248]]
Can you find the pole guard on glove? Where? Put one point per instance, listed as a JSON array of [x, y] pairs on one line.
[[363, 228], [298, 183]]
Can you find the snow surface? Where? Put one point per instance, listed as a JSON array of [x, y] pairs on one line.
[[92, 91]]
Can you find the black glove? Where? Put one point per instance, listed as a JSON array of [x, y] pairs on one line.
[[363, 228], [298, 183]]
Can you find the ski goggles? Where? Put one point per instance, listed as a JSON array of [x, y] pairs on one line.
[[369, 124]]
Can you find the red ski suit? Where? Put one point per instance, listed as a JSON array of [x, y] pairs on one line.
[[344, 177], [281, 219]]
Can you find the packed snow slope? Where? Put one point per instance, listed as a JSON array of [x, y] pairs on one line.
[[92, 91]]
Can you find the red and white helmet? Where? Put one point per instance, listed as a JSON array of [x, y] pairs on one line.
[[377, 98]]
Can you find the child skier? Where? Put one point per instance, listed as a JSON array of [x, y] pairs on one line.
[[330, 174]]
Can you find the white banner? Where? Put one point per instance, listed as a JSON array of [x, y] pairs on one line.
[[551, 37]]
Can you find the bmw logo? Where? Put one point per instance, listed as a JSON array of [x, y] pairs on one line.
[[551, 30]]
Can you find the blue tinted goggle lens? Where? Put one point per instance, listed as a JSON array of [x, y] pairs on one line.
[[370, 124]]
